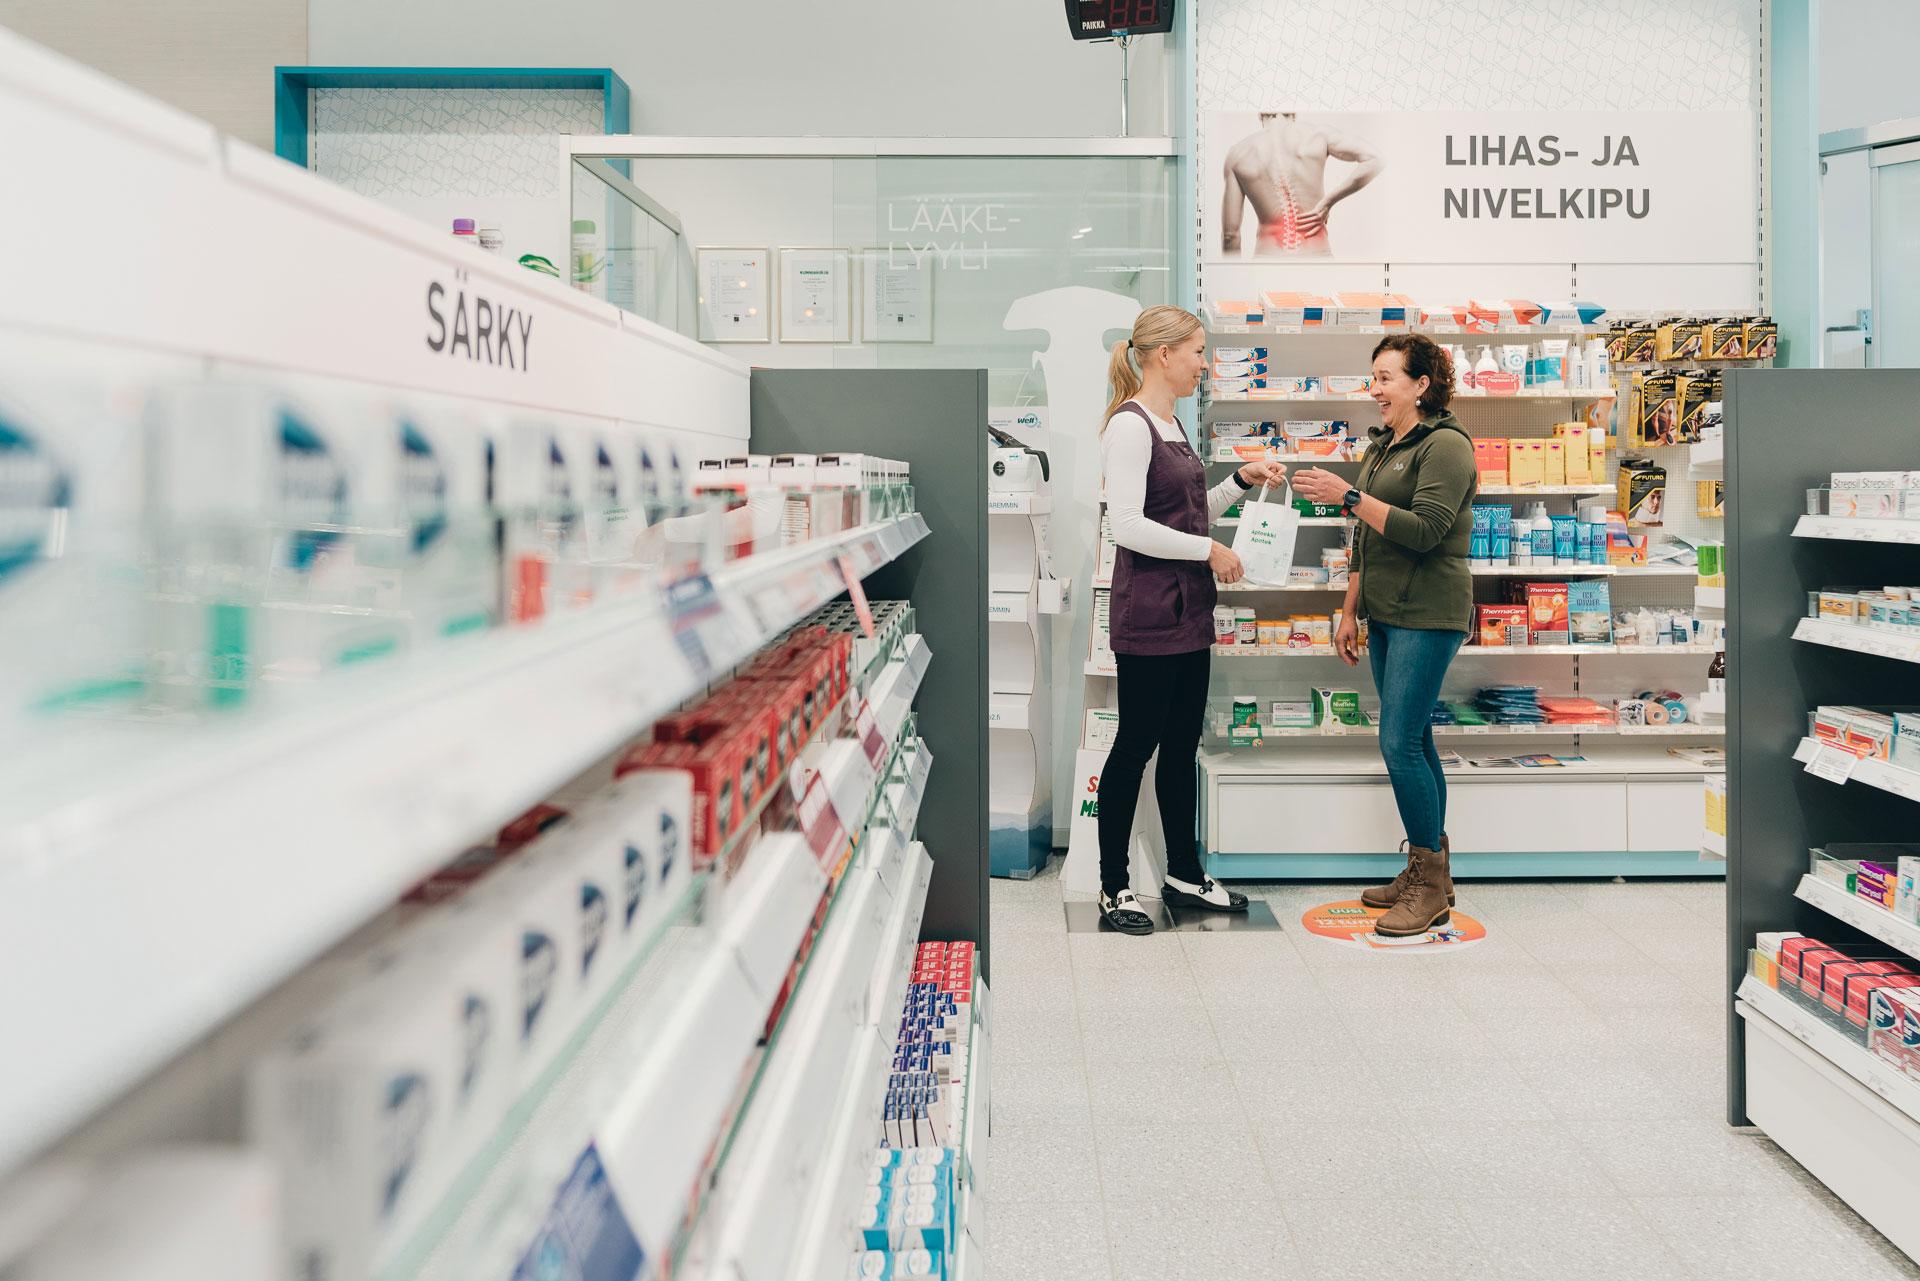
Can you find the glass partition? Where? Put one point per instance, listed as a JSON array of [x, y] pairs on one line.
[[625, 248]]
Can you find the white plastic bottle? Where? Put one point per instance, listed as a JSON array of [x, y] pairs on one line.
[[1599, 368], [1485, 365], [586, 264]]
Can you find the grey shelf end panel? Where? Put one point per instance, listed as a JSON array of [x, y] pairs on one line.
[[935, 420], [1787, 429]]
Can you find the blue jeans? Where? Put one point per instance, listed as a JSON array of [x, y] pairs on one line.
[[1408, 666]]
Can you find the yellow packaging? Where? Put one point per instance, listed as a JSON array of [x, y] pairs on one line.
[[1577, 459], [1723, 340], [1597, 453], [1710, 497], [1554, 460], [1658, 409], [1641, 344], [1617, 338], [1760, 339], [1319, 628], [1692, 392], [1526, 462], [1678, 340]]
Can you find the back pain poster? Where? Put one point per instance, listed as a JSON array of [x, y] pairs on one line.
[[1476, 187]]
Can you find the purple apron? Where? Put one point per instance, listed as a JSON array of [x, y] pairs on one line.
[[1165, 606]]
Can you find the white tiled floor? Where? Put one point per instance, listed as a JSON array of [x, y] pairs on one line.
[[1544, 1106]]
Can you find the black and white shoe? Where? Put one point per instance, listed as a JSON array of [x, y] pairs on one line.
[[1123, 912], [1209, 895]]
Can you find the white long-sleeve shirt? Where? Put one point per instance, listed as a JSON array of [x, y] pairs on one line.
[[1126, 451]]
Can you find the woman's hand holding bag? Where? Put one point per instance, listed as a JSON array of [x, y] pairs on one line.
[[1265, 539]]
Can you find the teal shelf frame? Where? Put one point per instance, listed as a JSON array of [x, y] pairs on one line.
[[293, 104]]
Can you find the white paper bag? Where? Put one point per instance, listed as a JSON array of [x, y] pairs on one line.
[[1264, 539]]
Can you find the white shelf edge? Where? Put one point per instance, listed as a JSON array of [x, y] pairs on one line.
[[1710, 597], [1306, 522], [1855, 1062], [1858, 529], [1496, 731], [1713, 844], [1547, 571], [1860, 914], [1899, 646], [1880, 774], [390, 787]]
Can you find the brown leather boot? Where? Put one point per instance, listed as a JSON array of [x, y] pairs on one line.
[[1423, 903], [1384, 896]]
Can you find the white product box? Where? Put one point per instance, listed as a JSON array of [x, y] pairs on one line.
[[171, 1214], [1237, 355], [544, 482], [647, 813], [1906, 900], [792, 471], [749, 471], [451, 568], [1905, 751], [76, 614], [373, 1107]]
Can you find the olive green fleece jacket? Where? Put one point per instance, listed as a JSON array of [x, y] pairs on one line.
[[1415, 574]]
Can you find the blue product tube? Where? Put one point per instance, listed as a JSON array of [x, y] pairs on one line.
[[1480, 541], [1565, 539], [1501, 542]]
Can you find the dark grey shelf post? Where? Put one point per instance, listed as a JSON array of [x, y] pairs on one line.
[[934, 420], [1787, 429]]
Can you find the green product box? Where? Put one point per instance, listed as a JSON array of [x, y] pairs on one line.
[[1337, 707]]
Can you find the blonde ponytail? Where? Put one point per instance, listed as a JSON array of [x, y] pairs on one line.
[[1155, 327], [1122, 378]]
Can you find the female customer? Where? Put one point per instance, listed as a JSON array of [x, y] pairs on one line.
[[1162, 606], [1410, 580]]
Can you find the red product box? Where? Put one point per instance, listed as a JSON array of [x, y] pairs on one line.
[[529, 825], [1791, 953], [1813, 963], [1838, 978], [1547, 619], [1860, 993]]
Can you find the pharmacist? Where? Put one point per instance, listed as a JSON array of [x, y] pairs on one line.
[[1411, 582], [1162, 606]]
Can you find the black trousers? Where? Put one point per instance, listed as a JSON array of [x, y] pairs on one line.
[[1163, 705]]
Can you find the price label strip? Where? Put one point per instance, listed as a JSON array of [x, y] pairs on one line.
[[867, 730], [820, 824], [698, 620], [1835, 764]]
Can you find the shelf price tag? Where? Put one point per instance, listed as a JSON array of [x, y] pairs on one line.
[[867, 730], [698, 620], [1835, 764], [821, 825], [858, 592]]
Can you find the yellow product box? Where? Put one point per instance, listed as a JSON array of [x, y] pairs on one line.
[[1526, 462], [1692, 392], [1578, 457], [1554, 459], [1677, 340], [1659, 411], [1710, 497], [1723, 340], [1642, 341], [1597, 452], [1761, 339]]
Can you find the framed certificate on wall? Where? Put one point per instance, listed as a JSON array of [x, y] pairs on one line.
[[735, 288], [897, 297], [815, 296]]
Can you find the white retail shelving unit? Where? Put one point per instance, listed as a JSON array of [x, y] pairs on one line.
[[1901, 646], [1023, 599], [1858, 529], [1236, 782], [728, 1081]]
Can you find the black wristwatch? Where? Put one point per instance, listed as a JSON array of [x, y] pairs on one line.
[[1351, 499], [1242, 481]]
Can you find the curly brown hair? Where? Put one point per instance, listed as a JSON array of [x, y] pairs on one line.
[[1427, 359]]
